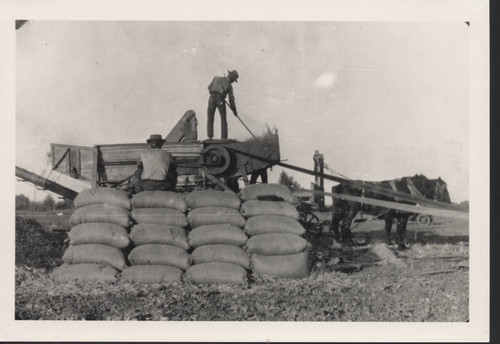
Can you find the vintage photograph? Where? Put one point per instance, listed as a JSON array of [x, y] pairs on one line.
[[243, 171]]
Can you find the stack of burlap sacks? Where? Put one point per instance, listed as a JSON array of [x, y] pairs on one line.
[[276, 245], [160, 251], [229, 235], [99, 239], [216, 238]]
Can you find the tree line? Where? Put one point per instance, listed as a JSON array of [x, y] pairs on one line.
[[47, 204]]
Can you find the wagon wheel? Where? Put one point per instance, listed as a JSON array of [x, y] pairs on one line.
[[424, 220], [310, 222]]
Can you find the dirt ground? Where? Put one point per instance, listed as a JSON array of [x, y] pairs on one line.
[[429, 282]]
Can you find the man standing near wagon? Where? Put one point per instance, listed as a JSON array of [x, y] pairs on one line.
[[219, 88]]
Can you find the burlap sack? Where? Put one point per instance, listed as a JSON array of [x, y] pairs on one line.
[[216, 273], [146, 233], [215, 215], [264, 224], [256, 208], [160, 216], [267, 191], [159, 199], [99, 233], [151, 274], [276, 244], [213, 198], [84, 272], [221, 253], [217, 234], [102, 196], [100, 213], [157, 254], [95, 254]]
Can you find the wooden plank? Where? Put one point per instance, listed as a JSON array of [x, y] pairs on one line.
[[398, 206], [217, 182], [119, 154], [95, 172], [56, 164], [86, 156], [60, 161], [67, 191]]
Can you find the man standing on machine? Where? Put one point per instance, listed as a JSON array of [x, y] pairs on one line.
[[219, 88]]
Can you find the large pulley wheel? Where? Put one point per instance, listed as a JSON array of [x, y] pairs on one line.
[[215, 160]]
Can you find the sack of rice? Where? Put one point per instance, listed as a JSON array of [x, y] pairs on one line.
[[221, 253], [84, 272], [273, 192], [276, 244], [264, 224], [287, 266], [217, 234], [100, 213], [256, 208], [146, 233], [102, 196], [95, 254], [216, 272], [159, 199], [151, 273], [160, 216], [213, 198], [158, 254], [215, 215], [99, 233]]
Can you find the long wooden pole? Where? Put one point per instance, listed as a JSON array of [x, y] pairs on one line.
[[397, 206], [358, 184]]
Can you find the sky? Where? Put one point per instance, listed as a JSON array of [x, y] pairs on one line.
[[380, 100]]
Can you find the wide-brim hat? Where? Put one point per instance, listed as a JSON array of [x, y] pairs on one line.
[[234, 73], [155, 137]]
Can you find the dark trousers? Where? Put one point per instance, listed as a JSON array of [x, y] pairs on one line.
[[147, 184], [216, 101], [263, 176]]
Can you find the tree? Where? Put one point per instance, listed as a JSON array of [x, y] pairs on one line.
[[22, 202], [288, 181], [65, 204], [48, 203]]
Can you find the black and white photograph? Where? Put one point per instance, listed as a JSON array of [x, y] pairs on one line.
[[246, 171]]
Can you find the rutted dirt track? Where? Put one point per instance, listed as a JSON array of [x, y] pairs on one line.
[[428, 282]]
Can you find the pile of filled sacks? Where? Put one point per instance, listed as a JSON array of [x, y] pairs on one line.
[[99, 239], [206, 236], [160, 245], [216, 238], [276, 245]]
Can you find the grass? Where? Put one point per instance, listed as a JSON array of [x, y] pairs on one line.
[[395, 292]]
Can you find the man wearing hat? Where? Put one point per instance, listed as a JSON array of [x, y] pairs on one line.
[[156, 169], [219, 88]]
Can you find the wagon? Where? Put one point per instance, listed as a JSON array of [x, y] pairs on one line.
[[307, 217]]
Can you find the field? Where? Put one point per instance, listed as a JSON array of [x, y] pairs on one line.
[[427, 283]]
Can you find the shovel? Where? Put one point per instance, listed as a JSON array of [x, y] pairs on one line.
[[240, 120]]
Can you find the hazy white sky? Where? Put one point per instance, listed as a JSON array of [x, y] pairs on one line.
[[379, 100]]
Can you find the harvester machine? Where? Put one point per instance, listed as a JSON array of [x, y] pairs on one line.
[[199, 163]]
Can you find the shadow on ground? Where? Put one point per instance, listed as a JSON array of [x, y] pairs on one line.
[[420, 236]]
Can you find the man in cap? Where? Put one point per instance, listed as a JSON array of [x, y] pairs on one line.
[[156, 169], [219, 88]]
